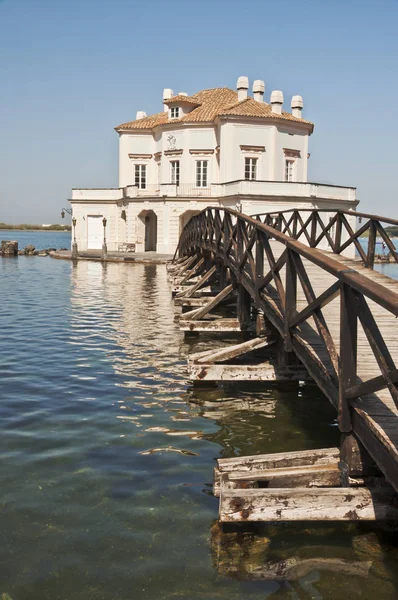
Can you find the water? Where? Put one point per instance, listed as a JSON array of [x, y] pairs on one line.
[[40, 239], [107, 453]]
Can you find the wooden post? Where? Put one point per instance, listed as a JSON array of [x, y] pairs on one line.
[[348, 355], [314, 224], [371, 245], [291, 297], [337, 239], [244, 307], [355, 461], [259, 266]]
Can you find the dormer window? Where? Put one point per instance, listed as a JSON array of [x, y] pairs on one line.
[[174, 112]]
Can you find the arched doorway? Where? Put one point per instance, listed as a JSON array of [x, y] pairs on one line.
[[185, 217], [149, 225]]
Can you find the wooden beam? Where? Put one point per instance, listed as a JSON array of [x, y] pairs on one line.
[[216, 326], [189, 273], [260, 372], [300, 458], [289, 477], [194, 288], [212, 303], [370, 386], [229, 352], [298, 504]]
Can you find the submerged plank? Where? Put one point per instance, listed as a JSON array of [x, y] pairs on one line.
[[218, 325], [307, 504], [260, 372]]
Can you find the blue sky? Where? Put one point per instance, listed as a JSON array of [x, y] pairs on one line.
[[71, 70]]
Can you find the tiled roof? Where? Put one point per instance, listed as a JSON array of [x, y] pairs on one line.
[[181, 98], [252, 108], [212, 103]]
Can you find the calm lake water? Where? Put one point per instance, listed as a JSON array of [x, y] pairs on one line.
[[107, 453], [40, 239]]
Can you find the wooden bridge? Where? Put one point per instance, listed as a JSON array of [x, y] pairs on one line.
[[306, 292]]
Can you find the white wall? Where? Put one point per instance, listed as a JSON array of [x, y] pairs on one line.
[[142, 143], [284, 138]]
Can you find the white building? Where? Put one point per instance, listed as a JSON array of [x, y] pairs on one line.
[[218, 147]]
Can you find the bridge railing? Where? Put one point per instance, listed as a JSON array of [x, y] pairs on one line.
[[246, 247], [336, 230]]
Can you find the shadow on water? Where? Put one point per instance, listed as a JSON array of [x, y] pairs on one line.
[[108, 452]]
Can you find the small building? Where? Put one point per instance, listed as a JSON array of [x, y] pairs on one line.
[[218, 147]]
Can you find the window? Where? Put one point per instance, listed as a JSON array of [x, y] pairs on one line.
[[140, 176], [175, 172], [201, 173], [289, 170], [251, 168], [174, 112]]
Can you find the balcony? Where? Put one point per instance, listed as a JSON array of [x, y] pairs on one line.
[[276, 189]]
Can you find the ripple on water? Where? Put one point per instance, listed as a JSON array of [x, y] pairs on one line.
[[107, 452]]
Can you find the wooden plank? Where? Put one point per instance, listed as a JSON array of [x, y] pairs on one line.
[[370, 386], [229, 352], [307, 504], [212, 303], [319, 456], [216, 326], [194, 288], [178, 289], [289, 477], [189, 274], [260, 372], [189, 302]]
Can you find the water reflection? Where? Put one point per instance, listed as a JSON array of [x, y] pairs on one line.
[[108, 450]]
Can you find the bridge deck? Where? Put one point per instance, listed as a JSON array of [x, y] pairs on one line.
[[375, 418]]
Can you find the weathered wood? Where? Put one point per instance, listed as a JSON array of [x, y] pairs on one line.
[[348, 355], [181, 289], [286, 477], [194, 301], [260, 372], [216, 326], [194, 288], [276, 460], [295, 568], [244, 307], [355, 461], [190, 273], [372, 385], [212, 303], [227, 238], [229, 352], [307, 504]]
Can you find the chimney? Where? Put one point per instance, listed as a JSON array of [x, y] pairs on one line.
[[182, 94], [242, 86], [258, 90], [297, 106], [167, 94], [277, 101], [141, 114]]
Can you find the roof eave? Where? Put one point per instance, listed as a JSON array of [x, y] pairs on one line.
[[272, 120]]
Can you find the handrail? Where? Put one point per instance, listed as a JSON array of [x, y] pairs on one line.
[[351, 213], [364, 285], [339, 233]]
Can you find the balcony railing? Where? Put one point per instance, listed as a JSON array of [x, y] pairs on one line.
[[276, 189]]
